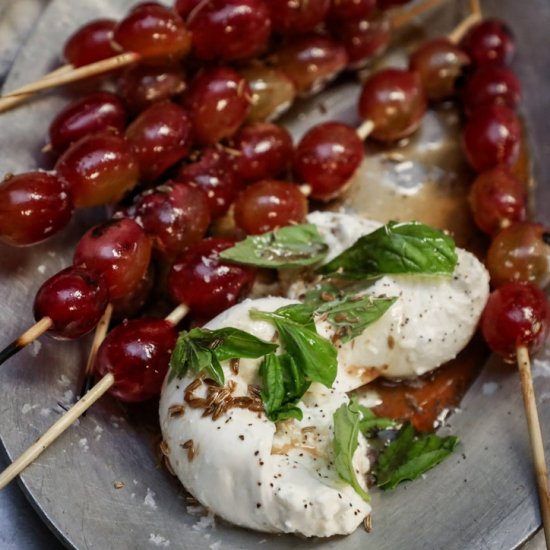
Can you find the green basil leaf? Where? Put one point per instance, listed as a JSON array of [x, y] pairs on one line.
[[233, 342], [273, 384], [409, 455], [314, 355], [345, 442], [291, 246], [396, 248]]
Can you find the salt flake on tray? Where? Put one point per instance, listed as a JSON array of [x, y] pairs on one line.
[[158, 540]]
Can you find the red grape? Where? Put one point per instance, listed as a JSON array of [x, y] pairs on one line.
[[269, 204], [230, 29], [490, 42], [439, 63], [160, 137], [74, 299], [394, 101], [174, 215], [363, 39], [91, 43], [99, 169], [497, 198], [119, 250], [265, 151], [272, 92], [491, 85], [215, 175], [33, 206], [130, 304], [350, 10], [326, 158], [389, 4], [142, 85], [311, 61], [137, 353], [520, 252], [297, 16], [218, 100], [516, 314], [185, 7], [492, 136], [154, 32], [87, 115], [206, 284]]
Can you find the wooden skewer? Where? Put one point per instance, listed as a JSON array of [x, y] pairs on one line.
[[456, 35], [26, 338], [99, 336], [75, 412], [535, 436], [67, 73], [365, 129], [475, 7]]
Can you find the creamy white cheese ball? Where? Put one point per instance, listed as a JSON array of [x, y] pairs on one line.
[[251, 472]]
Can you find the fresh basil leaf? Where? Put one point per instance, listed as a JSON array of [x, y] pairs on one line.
[[352, 315], [396, 248], [202, 349], [299, 313], [291, 246], [409, 455], [345, 442], [370, 423], [283, 386], [314, 355]]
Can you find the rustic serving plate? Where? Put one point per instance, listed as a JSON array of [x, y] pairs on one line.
[[483, 497]]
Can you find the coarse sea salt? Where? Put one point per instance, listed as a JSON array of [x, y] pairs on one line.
[[206, 522], [83, 444], [158, 540], [149, 499], [35, 347]]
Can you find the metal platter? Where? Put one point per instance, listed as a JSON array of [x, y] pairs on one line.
[[483, 497]]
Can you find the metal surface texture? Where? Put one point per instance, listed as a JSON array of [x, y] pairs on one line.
[[483, 497]]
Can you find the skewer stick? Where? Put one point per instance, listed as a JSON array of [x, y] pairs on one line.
[[73, 414], [44, 441], [535, 437], [365, 129], [99, 336], [26, 338], [403, 17], [456, 35], [475, 7]]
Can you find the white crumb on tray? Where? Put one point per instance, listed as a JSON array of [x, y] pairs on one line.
[[64, 381], [149, 499], [489, 388], [83, 444], [216, 545], [68, 396], [158, 540], [206, 522], [27, 408], [41, 269], [45, 412], [196, 510], [35, 347]]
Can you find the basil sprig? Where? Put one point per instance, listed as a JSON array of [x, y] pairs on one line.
[[202, 349], [284, 384], [410, 454], [393, 249], [292, 246]]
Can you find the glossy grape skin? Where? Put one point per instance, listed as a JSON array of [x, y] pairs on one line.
[[389, 4], [311, 61], [99, 169], [118, 250], [269, 204], [490, 42], [214, 173], [497, 198], [155, 32], [185, 7], [265, 151], [272, 92], [230, 29], [363, 39], [174, 215], [96, 112], [491, 85], [516, 314], [160, 137], [394, 100], [349, 10], [520, 252], [90, 43], [131, 304], [33, 206], [439, 63], [74, 299], [327, 157], [492, 136], [137, 353], [142, 85], [297, 16], [205, 284], [218, 100]]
